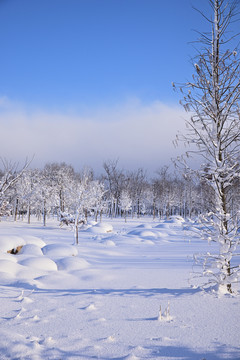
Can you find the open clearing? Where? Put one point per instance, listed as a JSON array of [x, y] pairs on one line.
[[102, 298]]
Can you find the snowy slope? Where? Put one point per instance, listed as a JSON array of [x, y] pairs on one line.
[[102, 298]]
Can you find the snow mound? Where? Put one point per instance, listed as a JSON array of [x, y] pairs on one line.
[[91, 307], [144, 233], [164, 234], [148, 242], [144, 226], [175, 220], [9, 242], [165, 229], [9, 267], [131, 357], [40, 263], [34, 240], [92, 222], [31, 249], [59, 250], [109, 243], [148, 233], [163, 226], [72, 263], [56, 280], [10, 257], [101, 228]]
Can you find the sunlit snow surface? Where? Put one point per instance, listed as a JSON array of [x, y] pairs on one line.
[[102, 298]]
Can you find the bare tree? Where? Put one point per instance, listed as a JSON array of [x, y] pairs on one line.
[[212, 98]]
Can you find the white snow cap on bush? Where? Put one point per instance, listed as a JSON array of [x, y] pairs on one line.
[[31, 249], [59, 250], [9, 242], [40, 263], [101, 228]]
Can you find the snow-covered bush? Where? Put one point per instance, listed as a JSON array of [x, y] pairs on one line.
[[125, 203]]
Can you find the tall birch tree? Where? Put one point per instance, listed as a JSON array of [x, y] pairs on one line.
[[212, 98]]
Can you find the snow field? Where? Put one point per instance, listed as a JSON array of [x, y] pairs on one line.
[[99, 300]]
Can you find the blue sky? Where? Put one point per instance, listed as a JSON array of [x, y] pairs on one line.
[[85, 71], [71, 52]]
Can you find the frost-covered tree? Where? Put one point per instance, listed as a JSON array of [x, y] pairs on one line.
[[25, 193], [83, 199], [62, 176], [137, 184], [212, 97], [8, 178], [164, 193], [98, 202], [125, 202], [115, 180], [47, 193]]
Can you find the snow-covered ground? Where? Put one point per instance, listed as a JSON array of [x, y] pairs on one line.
[[125, 292]]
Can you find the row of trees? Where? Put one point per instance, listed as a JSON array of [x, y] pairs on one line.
[[59, 190]]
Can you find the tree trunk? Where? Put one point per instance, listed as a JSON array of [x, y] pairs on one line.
[[16, 209], [96, 215], [28, 213], [76, 227], [44, 212]]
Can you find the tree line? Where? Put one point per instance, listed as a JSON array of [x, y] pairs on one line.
[[58, 190]]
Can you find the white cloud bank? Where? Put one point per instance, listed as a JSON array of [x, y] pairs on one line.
[[139, 135]]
